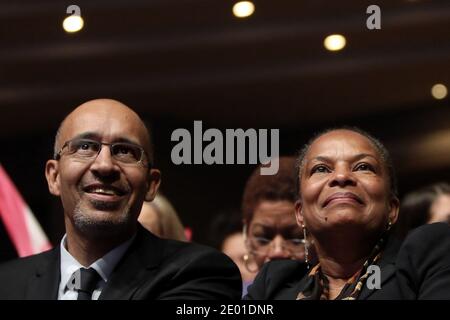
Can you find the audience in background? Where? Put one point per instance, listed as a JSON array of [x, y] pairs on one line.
[[426, 205], [226, 235], [268, 208], [160, 218]]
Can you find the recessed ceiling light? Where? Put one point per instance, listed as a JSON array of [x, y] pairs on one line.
[[439, 91], [334, 42], [243, 9], [73, 23]]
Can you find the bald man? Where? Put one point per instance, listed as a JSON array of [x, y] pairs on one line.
[[102, 170]]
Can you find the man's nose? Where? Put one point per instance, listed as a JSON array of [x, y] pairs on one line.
[[277, 249], [104, 163], [342, 176]]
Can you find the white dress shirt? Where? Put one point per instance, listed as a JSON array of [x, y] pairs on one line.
[[104, 266]]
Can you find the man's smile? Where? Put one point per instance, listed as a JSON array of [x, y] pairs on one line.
[[105, 192]]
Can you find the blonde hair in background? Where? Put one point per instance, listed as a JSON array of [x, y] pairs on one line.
[[160, 218]]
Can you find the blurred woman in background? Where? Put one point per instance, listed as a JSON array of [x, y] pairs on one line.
[[225, 234], [160, 218], [268, 208], [426, 205]]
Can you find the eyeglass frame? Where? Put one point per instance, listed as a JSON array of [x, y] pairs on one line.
[[57, 156], [268, 245], [252, 250]]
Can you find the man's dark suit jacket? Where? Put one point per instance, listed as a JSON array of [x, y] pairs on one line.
[[418, 269], [152, 268]]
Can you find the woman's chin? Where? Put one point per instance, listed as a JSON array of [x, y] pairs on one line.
[[344, 217]]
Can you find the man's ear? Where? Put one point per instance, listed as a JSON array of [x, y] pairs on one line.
[[52, 176], [394, 209], [154, 180], [299, 213]]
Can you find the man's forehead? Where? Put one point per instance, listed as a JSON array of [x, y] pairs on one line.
[[107, 121]]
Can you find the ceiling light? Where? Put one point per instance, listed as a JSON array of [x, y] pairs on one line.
[[439, 91], [243, 9], [334, 42], [73, 23]]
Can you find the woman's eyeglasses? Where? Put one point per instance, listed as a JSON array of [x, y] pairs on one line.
[[262, 246]]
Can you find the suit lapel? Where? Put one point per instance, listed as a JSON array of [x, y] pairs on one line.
[[387, 267], [44, 283], [387, 272], [294, 289], [138, 263]]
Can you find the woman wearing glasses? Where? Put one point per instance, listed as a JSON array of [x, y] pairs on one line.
[[268, 207]]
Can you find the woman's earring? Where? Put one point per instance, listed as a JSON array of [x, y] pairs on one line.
[[389, 226], [246, 258], [306, 246]]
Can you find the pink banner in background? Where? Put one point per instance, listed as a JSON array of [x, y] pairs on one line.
[[22, 227]]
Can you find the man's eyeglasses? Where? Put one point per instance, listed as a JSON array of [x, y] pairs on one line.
[[88, 150]]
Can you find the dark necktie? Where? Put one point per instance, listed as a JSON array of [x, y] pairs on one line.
[[88, 281]]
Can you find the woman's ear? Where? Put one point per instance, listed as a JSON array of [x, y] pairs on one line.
[[394, 209], [52, 176], [154, 180], [299, 213]]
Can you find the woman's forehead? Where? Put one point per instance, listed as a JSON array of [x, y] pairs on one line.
[[269, 212], [341, 142]]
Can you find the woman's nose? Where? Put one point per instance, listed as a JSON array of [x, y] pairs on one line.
[[278, 249], [342, 176]]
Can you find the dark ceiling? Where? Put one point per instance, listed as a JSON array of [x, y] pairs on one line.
[[176, 61], [194, 59]]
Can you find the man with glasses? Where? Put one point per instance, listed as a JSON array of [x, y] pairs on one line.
[[103, 171]]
